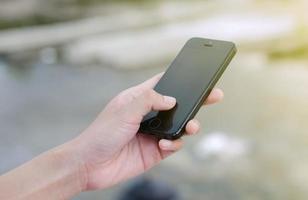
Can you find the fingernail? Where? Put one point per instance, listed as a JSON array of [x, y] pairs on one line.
[[219, 93], [166, 144], [170, 100]]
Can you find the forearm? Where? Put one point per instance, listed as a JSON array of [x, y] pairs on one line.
[[56, 174]]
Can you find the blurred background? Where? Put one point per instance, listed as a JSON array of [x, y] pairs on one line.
[[61, 61]]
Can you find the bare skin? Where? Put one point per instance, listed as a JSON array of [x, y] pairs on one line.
[[108, 152]]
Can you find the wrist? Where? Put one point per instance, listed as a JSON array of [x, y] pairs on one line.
[[56, 174], [67, 155]]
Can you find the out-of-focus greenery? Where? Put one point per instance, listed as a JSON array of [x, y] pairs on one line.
[[35, 19], [90, 2], [293, 47]]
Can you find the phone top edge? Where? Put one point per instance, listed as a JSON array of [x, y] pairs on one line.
[[208, 39]]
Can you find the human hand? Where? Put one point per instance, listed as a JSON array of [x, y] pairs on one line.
[[112, 151]]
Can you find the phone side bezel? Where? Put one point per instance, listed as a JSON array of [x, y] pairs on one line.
[[204, 95]]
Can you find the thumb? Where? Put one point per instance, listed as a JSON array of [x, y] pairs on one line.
[[149, 100]]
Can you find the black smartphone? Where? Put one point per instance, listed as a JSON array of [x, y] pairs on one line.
[[190, 79]]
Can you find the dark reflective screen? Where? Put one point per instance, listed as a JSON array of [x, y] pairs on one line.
[[186, 79]]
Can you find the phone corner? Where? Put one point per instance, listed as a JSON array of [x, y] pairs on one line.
[[234, 47], [175, 135]]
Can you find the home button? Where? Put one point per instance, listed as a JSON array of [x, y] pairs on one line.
[[155, 123]]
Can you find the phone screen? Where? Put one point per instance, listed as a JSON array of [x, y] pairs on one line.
[[187, 78]]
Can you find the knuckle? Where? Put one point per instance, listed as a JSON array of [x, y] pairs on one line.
[[149, 93], [120, 101], [147, 98], [146, 95]]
